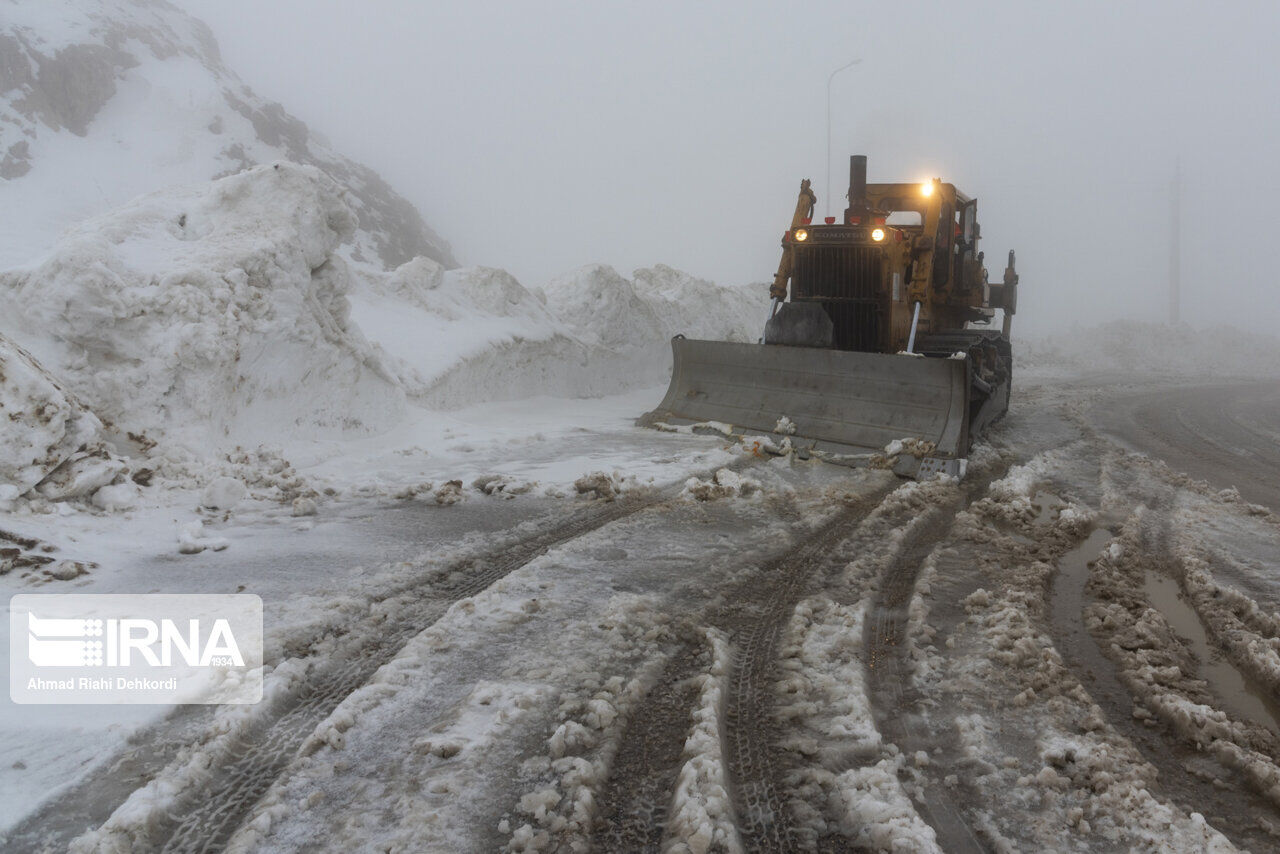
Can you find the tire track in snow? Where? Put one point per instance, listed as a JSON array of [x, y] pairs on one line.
[[753, 755], [205, 817], [894, 699], [649, 757], [635, 800], [1192, 778], [1198, 431], [227, 801]]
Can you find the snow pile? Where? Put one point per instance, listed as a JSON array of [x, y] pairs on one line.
[[603, 308], [697, 308], [49, 443], [602, 485], [211, 314], [457, 337], [725, 483], [106, 99], [205, 318], [637, 318], [1128, 346]]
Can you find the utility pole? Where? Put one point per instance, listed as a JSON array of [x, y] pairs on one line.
[[831, 77], [1175, 244]]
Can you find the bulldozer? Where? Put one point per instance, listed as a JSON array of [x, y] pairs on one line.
[[879, 347]]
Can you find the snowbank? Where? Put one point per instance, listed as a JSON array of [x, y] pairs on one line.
[[603, 308], [213, 315], [453, 338], [458, 337], [635, 319], [1133, 347], [200, 319], [697, 308]]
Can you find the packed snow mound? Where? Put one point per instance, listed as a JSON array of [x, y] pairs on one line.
[[102, 100], [1151, 348], [48, 441], [211, 315], [472, 335], [604, 308], [697, 308], [464, 336]]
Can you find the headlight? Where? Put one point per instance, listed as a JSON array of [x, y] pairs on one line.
[[877, 235], [801, 235], [926, 189]]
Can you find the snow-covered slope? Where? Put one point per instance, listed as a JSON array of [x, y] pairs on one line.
[[103, 100]]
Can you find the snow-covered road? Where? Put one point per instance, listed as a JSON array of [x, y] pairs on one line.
[[1228, 434], [1076, 647]]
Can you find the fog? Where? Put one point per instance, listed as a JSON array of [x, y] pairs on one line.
[[540, 137]]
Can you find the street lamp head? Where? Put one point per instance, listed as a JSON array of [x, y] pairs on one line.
[[831, 77]]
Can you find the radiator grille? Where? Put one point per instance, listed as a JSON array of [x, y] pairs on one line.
[[847, 281], [837, 272]]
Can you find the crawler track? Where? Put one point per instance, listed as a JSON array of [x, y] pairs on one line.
[[210, 813]]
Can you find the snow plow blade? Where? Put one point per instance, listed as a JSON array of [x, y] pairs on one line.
[[847, 407]]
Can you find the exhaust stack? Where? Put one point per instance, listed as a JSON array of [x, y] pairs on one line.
[[857, 186]]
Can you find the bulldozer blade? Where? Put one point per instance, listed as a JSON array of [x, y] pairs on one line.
[[845, 406]]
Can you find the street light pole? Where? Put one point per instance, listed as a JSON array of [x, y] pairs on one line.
[[831, 77]]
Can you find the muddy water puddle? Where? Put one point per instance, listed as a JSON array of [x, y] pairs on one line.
[[1068, 587], [1047, 507], [1237, 695]]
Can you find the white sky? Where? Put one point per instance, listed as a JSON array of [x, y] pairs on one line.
[[542, 136]]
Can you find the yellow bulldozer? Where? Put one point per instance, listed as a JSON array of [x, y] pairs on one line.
[[879, 344]]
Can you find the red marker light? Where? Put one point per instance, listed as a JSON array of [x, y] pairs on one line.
[[880, 220], [807, 220], [855, 220], [829, 220]]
